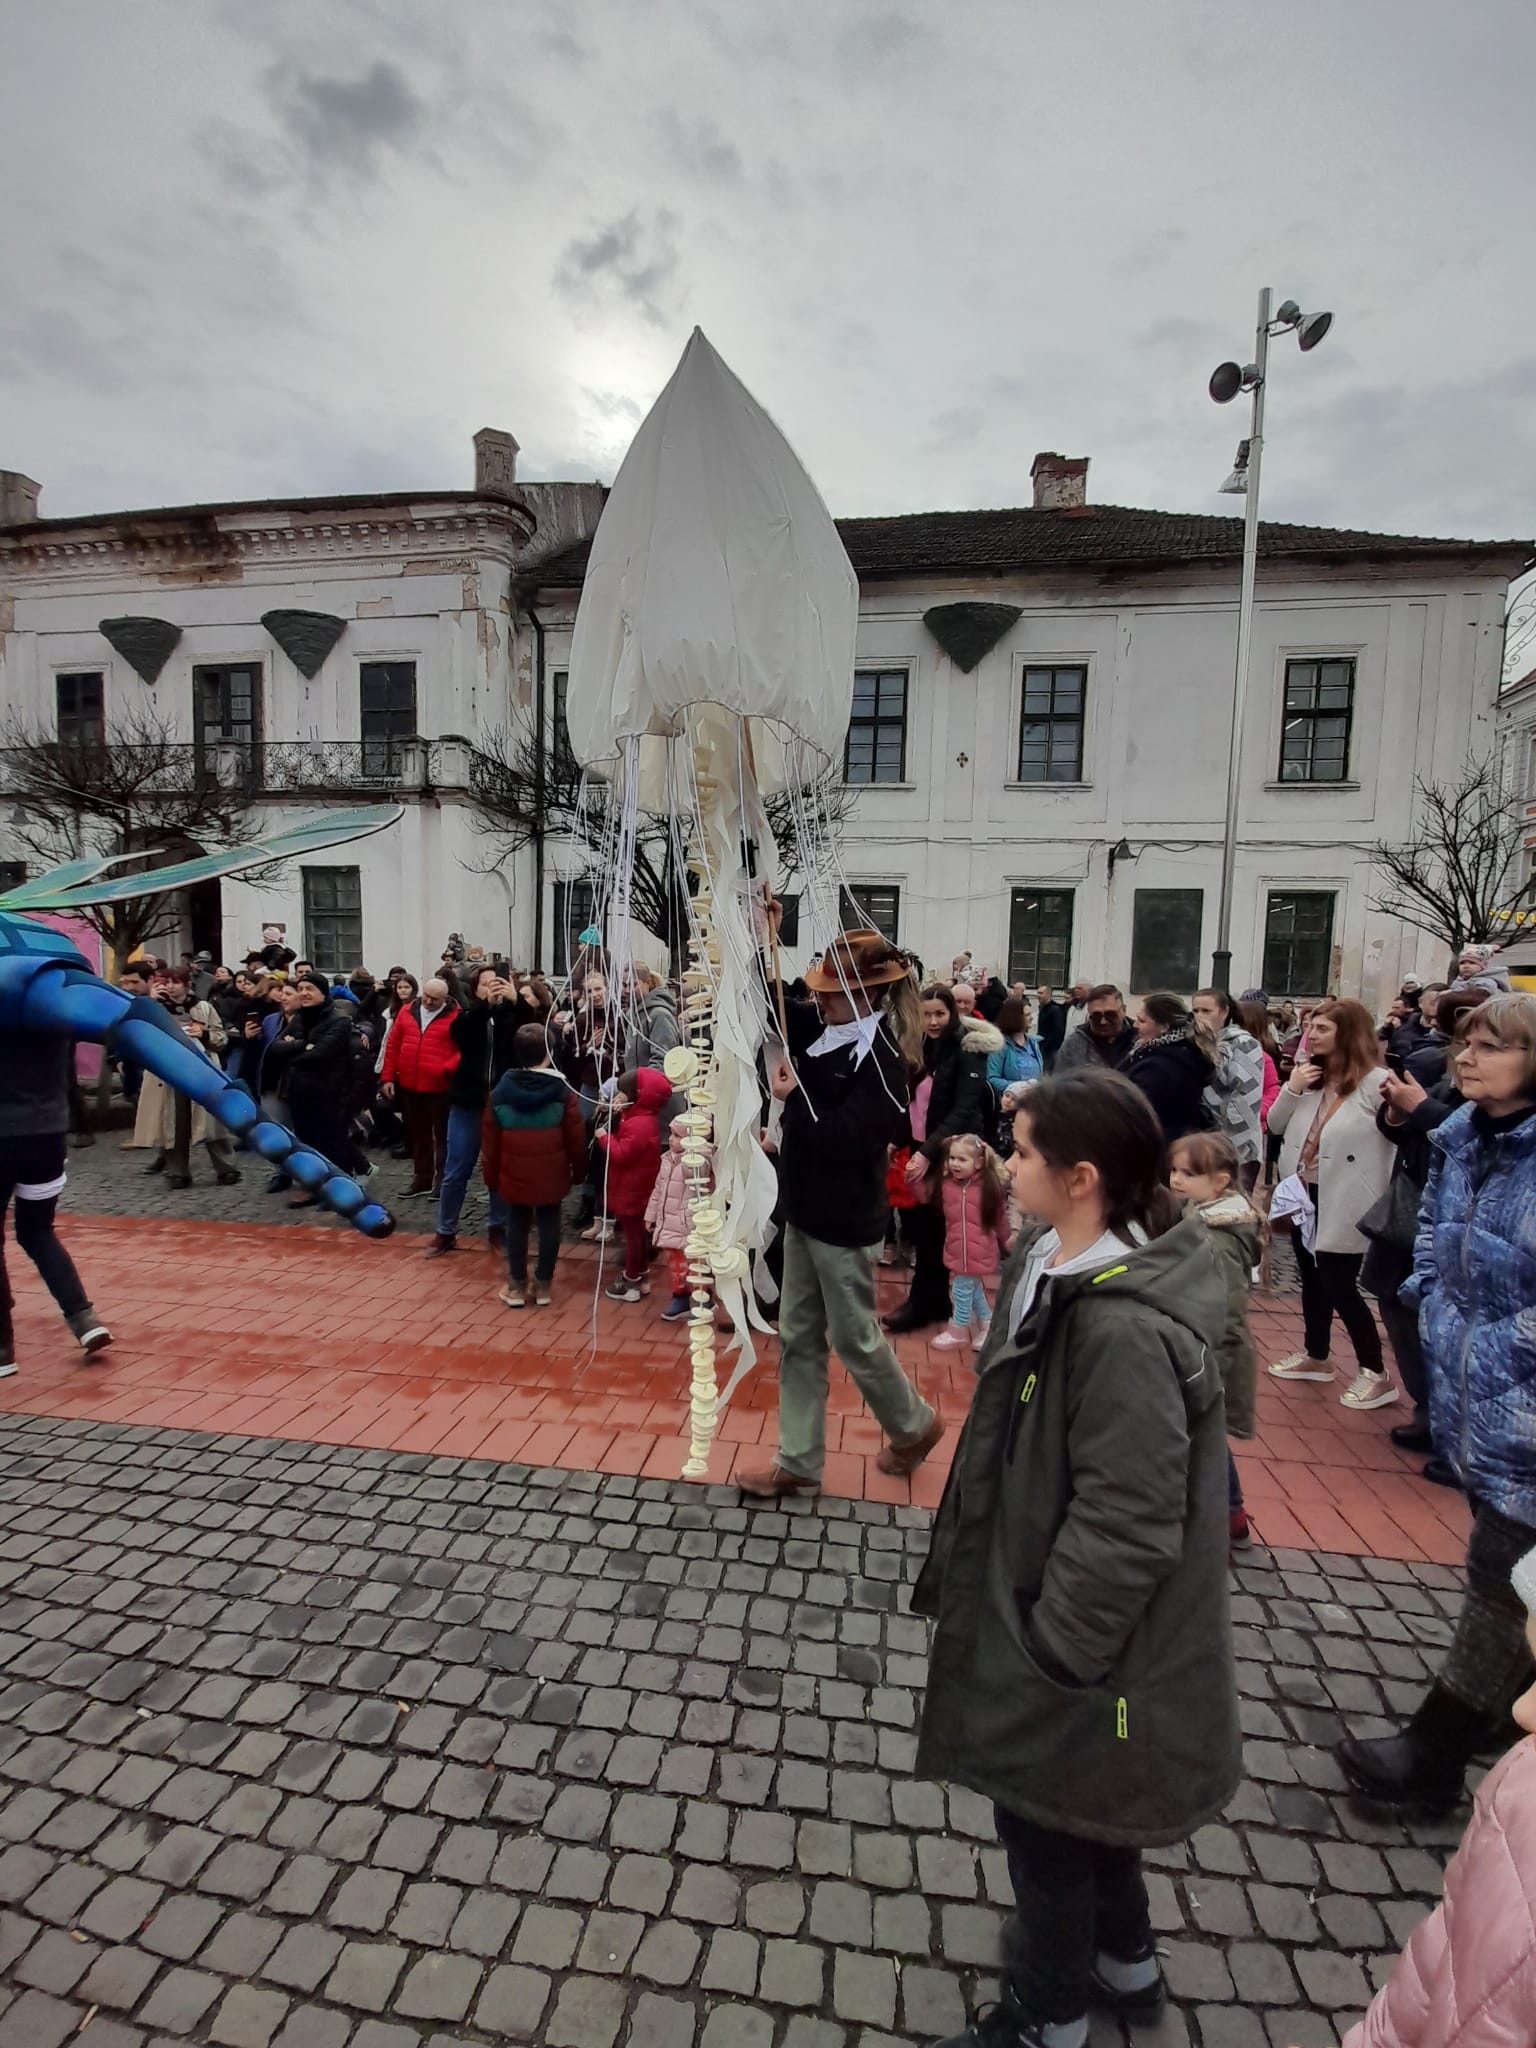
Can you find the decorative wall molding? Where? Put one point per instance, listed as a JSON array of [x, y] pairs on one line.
[[220, 542], [305, 637], [968, 631], [145, 644]]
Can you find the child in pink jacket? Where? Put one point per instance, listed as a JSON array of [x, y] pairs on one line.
[[969, 1190], [1467, 1978], [668, 1219]]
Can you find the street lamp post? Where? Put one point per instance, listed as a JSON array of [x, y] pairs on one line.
[[1226, 381]]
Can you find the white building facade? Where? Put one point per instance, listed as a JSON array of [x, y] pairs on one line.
[[1039, 745]]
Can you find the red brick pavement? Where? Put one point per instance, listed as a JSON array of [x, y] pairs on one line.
[[261, 1330]]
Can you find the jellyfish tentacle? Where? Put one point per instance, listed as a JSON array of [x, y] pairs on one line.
[[61, 997]]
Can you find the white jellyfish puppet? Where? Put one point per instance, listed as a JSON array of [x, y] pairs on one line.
[[711, 666]]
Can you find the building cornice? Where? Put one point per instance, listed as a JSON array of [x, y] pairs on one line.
[[185, 540]]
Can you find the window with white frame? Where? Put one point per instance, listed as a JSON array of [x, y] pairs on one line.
[[877, 727]]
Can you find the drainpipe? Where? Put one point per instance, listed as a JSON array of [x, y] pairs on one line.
[[538, 792]]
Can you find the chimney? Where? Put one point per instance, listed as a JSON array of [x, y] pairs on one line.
[[495, 463], [18, 498], [1060, 481]]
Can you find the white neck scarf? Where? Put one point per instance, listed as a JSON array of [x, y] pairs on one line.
[[858, 1032]]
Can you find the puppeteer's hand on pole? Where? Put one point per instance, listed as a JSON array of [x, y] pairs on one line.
[[781, 1079]]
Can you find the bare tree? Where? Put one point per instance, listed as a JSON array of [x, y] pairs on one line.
[[526, 792], [1459, 877], [137, 790]]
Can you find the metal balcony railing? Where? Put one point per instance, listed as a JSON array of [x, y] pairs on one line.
[[261, 768]]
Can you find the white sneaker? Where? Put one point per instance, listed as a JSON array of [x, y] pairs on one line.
[[980, 1332], [1299, 1366], [7, 1368], [1370, 1390], [950, 1340], [601, 1232]]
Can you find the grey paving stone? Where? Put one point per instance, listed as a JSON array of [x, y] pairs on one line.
[[439, 1987], [737, 2026], [181, 1926], [512, 2003], [366, 1974], [588, 2013], [248, 2018], [180, 2000], [659, 2022], [118, 1978], [864, 1988], [56, 1962], [667, 1954], [547, 1937], [792, 1973], [731, 1964], [242, 1945], [609, 1941], [304, 1957]]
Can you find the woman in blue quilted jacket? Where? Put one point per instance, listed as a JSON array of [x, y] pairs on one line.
[[1474, 1284]]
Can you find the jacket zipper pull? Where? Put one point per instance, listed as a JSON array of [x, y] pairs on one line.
[[1122, 1725]]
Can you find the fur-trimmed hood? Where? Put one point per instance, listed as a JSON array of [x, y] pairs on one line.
[[977, 1035]]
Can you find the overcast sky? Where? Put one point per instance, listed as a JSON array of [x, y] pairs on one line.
[[295, 248]]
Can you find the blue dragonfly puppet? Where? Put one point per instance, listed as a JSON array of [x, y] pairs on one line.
[[47, 986]]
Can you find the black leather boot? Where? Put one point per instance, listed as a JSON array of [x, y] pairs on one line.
[[1425, 1766]]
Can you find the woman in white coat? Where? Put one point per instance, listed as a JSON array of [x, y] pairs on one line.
[[1326, 1115]]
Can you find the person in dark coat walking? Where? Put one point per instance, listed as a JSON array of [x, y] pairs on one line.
[[953, 1097], [1172, 1062], [1081, 1674], [843, 1084]]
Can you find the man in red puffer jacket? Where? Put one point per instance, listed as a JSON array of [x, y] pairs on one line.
[[419, 1059], [631, 1161]]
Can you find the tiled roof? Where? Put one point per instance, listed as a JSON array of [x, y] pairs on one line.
[[1086, 537]]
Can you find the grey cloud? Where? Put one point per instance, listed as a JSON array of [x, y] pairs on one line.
[[960, 423], [1150, 253], [698, 147], [884, 41], [634, 256], [346, 124], [1460, 453]]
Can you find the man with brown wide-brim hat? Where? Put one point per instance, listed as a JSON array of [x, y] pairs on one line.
[[843, 1084]]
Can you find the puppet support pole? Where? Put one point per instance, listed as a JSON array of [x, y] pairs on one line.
[[693, 1065]]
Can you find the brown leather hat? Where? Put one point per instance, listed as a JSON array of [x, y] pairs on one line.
[[862, 957]]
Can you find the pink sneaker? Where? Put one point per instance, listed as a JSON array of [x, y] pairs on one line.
[[950, 1340]]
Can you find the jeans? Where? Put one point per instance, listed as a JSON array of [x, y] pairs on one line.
[[829, 1294], [35, 1163], [1075, 1898], [462, 1155], [971, 1304], [637, 1246], [426, 1132], [1383, 1273], [519, 1217], [1330, 1286]]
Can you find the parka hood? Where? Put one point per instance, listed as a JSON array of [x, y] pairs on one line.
[[980, 1036], [530, 1087], [1173, 1276], [653, 1091]]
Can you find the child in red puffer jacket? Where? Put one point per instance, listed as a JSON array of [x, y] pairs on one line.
[[631, 1161], [969, 1190]]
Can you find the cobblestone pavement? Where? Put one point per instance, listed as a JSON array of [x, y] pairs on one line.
[[310, 1745], [108, 1178]]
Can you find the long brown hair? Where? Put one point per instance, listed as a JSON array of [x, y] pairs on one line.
[[1357, 1049], [989, 1173], [1258, 1023], [1106, 1120], [904, 1021]]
